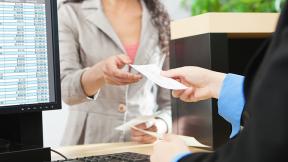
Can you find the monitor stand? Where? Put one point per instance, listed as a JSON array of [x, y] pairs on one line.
[[21, 138]]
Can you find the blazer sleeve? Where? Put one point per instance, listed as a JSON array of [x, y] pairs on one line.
[[70, 62], [265, 135], [164, 101]]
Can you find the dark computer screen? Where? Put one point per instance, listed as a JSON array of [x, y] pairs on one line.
[[29, 57]]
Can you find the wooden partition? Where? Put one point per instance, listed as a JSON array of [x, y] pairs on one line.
[[223, 42]]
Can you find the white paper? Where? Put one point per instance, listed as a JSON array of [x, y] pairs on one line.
[[153, 134], [152, 72], [189, 141], [142, 119]]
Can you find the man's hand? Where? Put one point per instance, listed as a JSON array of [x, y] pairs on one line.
[[203, 84], [141, 137], [166, 150]]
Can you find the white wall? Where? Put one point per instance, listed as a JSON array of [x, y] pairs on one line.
[[54, 125], [54, 121], [175, 10]]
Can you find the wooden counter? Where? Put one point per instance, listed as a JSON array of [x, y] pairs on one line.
[[100, 149]]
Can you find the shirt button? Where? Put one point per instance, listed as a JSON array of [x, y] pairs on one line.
[[122, 108]]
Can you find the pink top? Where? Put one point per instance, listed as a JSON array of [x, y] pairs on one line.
[[131, 50]]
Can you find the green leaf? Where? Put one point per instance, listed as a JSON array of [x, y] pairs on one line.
[[202, 6]]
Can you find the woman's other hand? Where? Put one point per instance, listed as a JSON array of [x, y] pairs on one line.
[[141, 137], [203, 84]]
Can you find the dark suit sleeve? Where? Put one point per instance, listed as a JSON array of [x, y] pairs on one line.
[[265, 136]]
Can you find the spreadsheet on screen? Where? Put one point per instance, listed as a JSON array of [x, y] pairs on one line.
[[24, 71]]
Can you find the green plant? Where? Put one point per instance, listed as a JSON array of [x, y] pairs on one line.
[[202, 6]]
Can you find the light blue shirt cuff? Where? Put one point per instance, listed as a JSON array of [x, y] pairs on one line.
[[180, 156], [231, 101]]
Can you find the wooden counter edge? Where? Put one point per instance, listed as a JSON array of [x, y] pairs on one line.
[[109, 148], [233, 23]]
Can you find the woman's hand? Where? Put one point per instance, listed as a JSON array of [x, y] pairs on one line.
[[203, 84], [112, 73], [167, 149], [108, 71], [141, 137]]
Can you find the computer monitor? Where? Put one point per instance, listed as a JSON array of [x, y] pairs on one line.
[[29, 61], [29, 73]]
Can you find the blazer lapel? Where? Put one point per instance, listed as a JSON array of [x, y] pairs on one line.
[[148, 39], [93, 11]]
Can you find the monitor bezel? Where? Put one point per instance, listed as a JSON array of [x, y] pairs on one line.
[[57, 83]]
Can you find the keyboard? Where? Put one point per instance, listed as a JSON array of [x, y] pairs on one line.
[[117, 157]]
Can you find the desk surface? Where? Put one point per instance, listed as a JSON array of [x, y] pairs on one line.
[[235, 24], [100, 149]]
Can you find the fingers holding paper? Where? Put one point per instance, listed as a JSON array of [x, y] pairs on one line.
[[202, 83], [140, 136], [192, 94], [113, 73]]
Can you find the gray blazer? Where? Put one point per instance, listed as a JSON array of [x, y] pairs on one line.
[[85, 38]]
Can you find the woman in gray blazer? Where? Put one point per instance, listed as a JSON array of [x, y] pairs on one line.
[[98, 38]]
